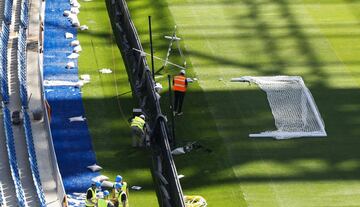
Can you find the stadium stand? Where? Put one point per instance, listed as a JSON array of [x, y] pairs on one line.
[[5, 169], [19, 154], [32, 158], [24, 20], [72, 140], [2, 5], [8, 11], [10, 145], [1, 195], [4, 47]]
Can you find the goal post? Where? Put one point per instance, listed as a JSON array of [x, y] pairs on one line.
[[292, 106]]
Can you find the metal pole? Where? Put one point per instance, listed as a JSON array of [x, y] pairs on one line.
[[171, 111], [152, 50]]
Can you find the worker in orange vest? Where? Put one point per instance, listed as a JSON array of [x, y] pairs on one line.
[[179, 86]]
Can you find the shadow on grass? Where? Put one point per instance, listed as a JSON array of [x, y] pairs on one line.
[[240, 113]]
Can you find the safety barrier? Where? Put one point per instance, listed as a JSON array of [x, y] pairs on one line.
[[22, 63], [164, 172], [72, 140]]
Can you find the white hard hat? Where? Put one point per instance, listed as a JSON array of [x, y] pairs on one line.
[[182, 72], [142, 116]]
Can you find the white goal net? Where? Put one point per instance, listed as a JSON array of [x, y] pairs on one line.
[[292, 105]]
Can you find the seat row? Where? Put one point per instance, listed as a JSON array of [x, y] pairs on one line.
[[10, 144], [22, 74]]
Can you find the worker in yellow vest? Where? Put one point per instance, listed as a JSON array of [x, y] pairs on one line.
[[122, 199], [105, 202], [91, 199], [124, 187], [114, 192], [118, 197], [179, 87], [137, 131]]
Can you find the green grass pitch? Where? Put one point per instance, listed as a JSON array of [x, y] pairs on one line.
[[222, 39]]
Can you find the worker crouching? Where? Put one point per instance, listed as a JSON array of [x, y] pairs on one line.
[[137, 131]]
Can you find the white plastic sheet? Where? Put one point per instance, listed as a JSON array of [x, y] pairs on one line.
[[105, 71], [77, 118]]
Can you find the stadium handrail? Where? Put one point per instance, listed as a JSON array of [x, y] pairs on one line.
[[164, 172]]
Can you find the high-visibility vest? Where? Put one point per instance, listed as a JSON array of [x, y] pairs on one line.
[[119, 198], [124, 186], [93, 198], [138, 122], [179, 83], [102, 203]]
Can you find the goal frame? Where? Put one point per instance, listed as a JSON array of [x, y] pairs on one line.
[[287, 134]]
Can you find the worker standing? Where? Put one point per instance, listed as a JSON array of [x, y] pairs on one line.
[[137, 131], [124, 187], [118, 197], [105, 202], [122, 198], [91, 199], [179, 87]]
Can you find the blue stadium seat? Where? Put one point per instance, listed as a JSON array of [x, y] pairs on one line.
[[10, 145], [22, 63]]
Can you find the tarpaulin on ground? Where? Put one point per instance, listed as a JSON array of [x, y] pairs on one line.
[[72, 140]]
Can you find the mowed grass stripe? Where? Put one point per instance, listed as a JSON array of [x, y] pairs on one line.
[[272, 38], [253, 38], [276, 37], [342, 33], [208, 175]]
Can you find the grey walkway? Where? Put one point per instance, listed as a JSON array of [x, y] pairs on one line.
[[40, 129]]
